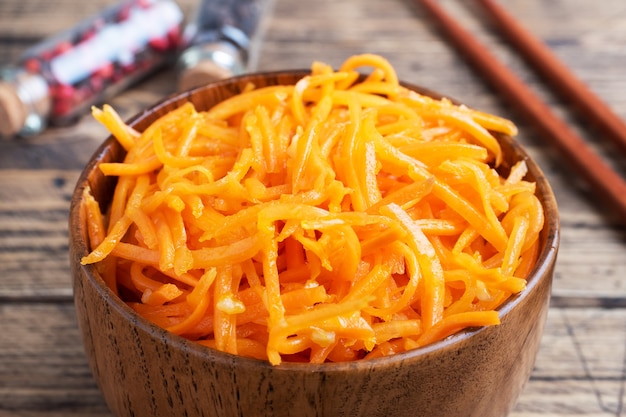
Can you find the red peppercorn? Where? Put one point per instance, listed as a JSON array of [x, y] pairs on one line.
[[159, 44], [32, 65], [105, 71], [61, 48]]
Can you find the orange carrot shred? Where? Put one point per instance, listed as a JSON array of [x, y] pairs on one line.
[[337, 219]]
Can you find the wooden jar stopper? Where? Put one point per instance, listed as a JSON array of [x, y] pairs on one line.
[[12, 111], [202, 73]]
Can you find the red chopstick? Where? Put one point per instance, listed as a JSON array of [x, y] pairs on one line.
[[565, 82], [603, 181]]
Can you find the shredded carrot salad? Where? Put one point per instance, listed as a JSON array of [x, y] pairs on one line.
[[330, 220]]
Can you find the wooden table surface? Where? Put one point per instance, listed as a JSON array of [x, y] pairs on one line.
[[581, 368]]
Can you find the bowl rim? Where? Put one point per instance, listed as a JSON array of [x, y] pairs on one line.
[[545, 260]]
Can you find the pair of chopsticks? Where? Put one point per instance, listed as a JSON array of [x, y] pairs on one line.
[[602, 180]]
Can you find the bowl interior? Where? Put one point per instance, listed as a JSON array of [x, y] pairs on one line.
[[204, 98]]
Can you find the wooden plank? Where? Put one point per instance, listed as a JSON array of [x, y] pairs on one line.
[[580, 367], [34, 259], [43, 368], [569, 398]]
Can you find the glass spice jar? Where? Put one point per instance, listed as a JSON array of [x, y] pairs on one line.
[[57, 80]]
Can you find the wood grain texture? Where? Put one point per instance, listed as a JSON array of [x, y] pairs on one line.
[[580, 369], [33, 226]]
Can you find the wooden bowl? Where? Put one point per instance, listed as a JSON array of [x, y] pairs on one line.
[[144, 370]]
